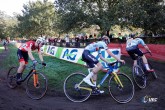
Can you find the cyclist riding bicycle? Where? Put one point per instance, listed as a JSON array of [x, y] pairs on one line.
[[92, 61], [132, 49], [25, 51]]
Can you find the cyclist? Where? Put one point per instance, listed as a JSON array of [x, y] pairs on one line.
[[92, 61], [25, 51], [132, 49]]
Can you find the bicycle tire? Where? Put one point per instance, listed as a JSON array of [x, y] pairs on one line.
[[139, 77], [121, 94], [38, 92], [11, 77], [153, 73], [74, 93]]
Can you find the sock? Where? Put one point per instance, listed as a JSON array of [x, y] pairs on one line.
[[89, 75], [136, 71], [147, 66]]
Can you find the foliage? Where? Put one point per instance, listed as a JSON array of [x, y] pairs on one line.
[[37, 19], [146, 14]]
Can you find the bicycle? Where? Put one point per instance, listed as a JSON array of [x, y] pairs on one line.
[[140, 72], [121, 87], [36, 85]]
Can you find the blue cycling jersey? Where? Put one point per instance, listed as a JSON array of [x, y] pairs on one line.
[[133, 44], [96, 46]]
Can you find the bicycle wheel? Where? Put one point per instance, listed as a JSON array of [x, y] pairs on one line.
[[153, 73], [121, 94], [36, 92], [71, 89], [139, 77], [11, 77]]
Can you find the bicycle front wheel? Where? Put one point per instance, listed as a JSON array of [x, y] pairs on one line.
[[36, 91], [139, 77], [73, 90], [11, 77], [124, 93]]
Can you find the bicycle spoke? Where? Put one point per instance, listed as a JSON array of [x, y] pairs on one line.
[[38, 90], [121, 94], [72, 89]]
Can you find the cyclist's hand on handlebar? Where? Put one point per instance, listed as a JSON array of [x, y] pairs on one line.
[[34, 62], [122, 61], [44, 64]]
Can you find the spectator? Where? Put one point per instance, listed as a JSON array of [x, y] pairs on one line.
[[120, 38], [67, 40], [77, 44]]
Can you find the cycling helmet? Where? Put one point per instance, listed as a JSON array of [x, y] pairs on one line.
[[41, 40], [106, 39]]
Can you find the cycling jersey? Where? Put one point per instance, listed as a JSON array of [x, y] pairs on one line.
[[133, 44], [30, 44], [93, 47], [96, 46]]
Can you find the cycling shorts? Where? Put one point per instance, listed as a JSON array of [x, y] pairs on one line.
[[89, 58], [22, 56], [135, 51]]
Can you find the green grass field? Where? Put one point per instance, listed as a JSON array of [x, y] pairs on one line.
[[1, 48], [56, 71]]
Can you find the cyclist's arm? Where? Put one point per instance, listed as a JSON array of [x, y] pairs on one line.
[[30, 54], [102, 58], [146, 47], [112, 55], [40, 56]]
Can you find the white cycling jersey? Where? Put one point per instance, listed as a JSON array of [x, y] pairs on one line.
[[96, 46], [133, 44]]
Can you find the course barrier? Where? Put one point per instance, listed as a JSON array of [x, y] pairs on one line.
[[158, 50], [74, 54]]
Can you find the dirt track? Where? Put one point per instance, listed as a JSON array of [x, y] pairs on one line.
[[17, 99]]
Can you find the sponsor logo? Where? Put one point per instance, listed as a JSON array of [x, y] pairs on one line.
[[149, 99], [70, 55], [51, 50]]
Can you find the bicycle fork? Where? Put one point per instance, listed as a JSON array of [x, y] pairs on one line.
[[35, 78], [117, 80]]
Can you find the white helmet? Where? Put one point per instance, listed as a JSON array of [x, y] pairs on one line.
[[41, 40], [106, 39]]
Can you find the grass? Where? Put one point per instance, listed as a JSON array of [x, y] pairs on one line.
[[56, 71]]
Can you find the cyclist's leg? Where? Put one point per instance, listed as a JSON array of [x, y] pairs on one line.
[[91, 62], [144, 59], [23, 60], [132, 55]]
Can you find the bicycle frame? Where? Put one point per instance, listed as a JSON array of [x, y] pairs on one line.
[[117, 80], [35, 76]]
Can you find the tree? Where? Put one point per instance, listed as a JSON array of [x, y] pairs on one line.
[[83, 13], [2, 25], [146, 14], [37, 19]]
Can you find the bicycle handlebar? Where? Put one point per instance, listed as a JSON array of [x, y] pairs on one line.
[[117, 64], [34, 65]]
